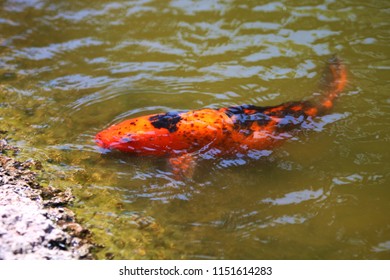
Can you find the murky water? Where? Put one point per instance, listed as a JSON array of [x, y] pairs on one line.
[[70, 68]]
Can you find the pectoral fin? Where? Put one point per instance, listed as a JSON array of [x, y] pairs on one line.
[[183, 165]]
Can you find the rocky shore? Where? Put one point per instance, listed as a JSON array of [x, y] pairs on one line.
[[34, 220]]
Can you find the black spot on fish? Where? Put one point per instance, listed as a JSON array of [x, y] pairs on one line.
[[294, 109], [245, 115], [167, 120], [291, 114], [289, 122]]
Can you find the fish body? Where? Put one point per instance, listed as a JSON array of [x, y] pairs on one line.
[[230, 130]]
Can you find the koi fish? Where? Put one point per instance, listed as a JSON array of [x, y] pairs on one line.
[[227, 131]]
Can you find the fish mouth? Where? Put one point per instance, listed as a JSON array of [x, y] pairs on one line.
[[102, 142], [108, 143], [102, 148], [99, 141]]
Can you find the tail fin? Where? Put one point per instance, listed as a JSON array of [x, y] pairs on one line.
[[334, 81]]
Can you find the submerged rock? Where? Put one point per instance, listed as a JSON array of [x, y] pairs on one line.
[[34, 221]]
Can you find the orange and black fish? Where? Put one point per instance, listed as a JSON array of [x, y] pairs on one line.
[[226, 131]]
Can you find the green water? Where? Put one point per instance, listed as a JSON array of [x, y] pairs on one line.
[[70, 68]]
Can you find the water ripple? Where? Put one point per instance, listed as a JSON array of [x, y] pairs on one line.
[[53, 50], [129, 67], [151, 46], [78, 81], [192, 7], [295, 197]]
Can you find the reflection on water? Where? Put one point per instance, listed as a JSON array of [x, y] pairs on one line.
[[69, 69]]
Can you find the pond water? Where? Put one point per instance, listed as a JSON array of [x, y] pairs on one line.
[[68, 69]]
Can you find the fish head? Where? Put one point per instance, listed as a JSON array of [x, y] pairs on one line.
[[146, 135]]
